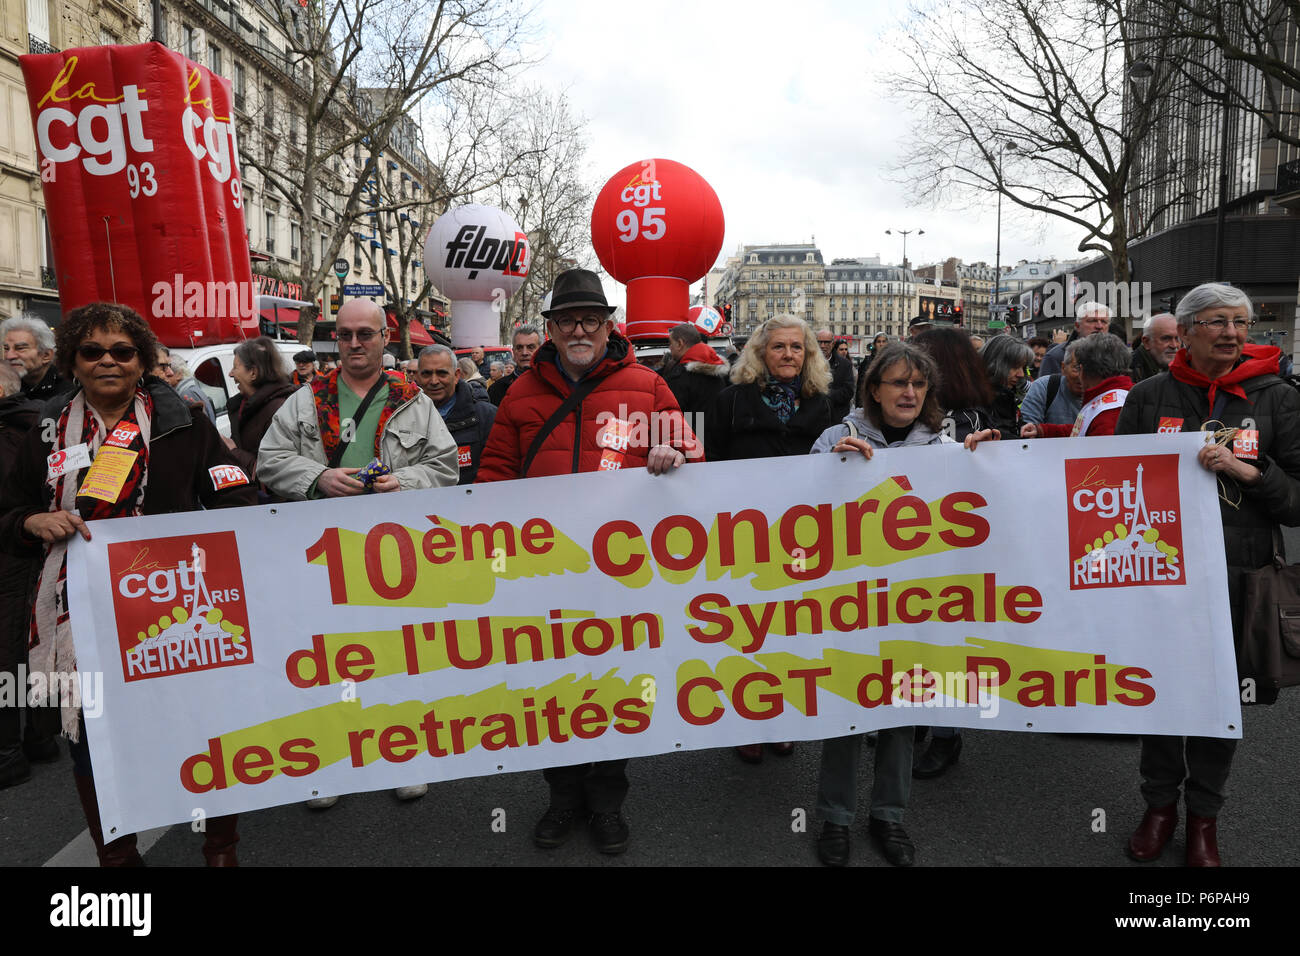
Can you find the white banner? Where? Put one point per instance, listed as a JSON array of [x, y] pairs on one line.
[[262, 656]]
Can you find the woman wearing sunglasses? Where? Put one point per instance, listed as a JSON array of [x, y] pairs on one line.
[[1221, 383], [123, 444]]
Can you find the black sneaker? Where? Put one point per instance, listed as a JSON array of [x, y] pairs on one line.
[[610, 832], [554, 828]]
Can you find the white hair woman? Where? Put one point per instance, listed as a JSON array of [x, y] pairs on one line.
[[777, 406], [1222, 384]]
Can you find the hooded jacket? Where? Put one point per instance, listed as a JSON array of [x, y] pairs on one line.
[[919, 435], [625, 390], [697, 379]]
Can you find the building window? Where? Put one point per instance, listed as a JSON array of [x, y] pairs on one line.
[[293, 241], [270, 231], [268, 107], [240, 81], [214, 59], [190, 41]]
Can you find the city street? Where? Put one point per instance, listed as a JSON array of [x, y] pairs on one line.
[[1012, 800]]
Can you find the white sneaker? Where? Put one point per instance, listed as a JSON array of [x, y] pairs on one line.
[[411, 793], [322, 803]]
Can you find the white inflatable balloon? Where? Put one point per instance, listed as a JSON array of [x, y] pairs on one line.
[[477, 257]]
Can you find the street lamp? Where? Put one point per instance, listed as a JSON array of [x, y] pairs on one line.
[[905, 233]]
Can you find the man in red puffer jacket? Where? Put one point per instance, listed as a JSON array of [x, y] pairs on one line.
[[625, 417], [621, 399]]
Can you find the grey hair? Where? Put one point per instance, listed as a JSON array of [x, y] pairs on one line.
[[430, 350], [1091, 306], [1103, 356], [1210, 295], [178, 366], [468, 368], [1002, 355], [1151, 320], [1070, 346], [525, 330], [11, 383], [41, 332]]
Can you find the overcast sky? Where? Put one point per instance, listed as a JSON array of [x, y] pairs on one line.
[[778, 106]]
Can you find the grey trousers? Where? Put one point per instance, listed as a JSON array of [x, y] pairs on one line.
[[1200, 764], [837, 787]]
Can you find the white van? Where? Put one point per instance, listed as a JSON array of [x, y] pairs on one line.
[[211, 364]]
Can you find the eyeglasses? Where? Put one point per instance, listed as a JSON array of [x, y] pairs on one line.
[[120, 353], [919, 385], [589, 324], [1218, 325], [361, 335]]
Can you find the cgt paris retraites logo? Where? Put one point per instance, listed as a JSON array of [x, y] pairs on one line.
[[1125, 528], [179, 605]]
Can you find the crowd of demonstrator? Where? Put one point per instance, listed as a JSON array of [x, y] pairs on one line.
[[367, 427]]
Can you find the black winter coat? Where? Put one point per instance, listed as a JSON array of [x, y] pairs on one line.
[[183, 446], [696, 385], [740, 426], [18, 415], [469, 422], [250, 418], [1274, 406]]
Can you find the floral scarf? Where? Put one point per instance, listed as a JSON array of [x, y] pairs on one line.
[[782, 397], [325, 393]]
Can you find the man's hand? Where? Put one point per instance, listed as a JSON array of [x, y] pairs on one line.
[[339, 483], [226, 439], [663, 459], [1029, 430], [55, 526], [386, 483]]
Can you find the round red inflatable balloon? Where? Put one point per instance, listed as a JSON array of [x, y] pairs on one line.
[[657, 227]]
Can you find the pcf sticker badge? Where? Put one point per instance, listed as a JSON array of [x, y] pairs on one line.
[[227, 476]]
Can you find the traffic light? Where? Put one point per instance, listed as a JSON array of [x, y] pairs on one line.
[[1013, 313]]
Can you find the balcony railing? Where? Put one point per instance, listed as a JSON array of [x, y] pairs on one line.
[[48, 278]]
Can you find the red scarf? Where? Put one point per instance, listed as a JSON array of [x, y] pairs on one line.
[[1256, 360]]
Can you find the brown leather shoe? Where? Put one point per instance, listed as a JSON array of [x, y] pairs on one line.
[[1202, 841], [1149, 839], [750, 753]]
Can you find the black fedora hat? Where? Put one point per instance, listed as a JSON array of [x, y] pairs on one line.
[[577, 289]]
